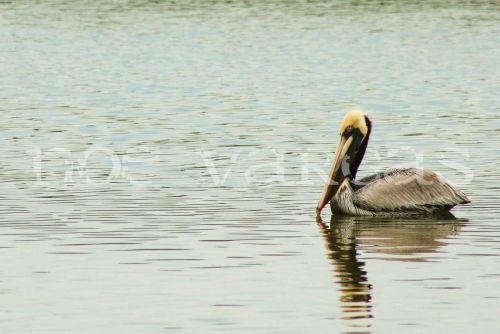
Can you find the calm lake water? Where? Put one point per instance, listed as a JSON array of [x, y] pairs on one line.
[[162, 160]]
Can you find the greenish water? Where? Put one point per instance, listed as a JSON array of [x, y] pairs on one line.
[[161, 162]]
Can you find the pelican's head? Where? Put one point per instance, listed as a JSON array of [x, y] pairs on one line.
[[354, 132]]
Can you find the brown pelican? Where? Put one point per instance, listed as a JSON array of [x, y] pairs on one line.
[[407, 191]]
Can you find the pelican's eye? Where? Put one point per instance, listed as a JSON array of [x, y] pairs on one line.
[[348, 131]]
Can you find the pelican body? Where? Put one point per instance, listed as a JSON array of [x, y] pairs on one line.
[[397, 192]]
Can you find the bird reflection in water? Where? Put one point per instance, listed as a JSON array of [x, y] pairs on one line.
[[397, 239]]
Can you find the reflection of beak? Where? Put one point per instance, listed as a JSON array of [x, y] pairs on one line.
[[338, 171]]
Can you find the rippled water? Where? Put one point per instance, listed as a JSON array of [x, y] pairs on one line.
[[161, 163]]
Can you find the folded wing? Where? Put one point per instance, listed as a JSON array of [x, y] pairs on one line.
[[407, 190]]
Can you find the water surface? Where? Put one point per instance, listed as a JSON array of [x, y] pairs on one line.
[[161, 163]]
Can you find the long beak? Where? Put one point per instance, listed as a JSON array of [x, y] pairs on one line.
[[338, 171]]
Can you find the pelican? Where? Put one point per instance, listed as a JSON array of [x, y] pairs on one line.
[[396, 192]]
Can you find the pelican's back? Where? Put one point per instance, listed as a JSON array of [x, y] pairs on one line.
[[407, 190]]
